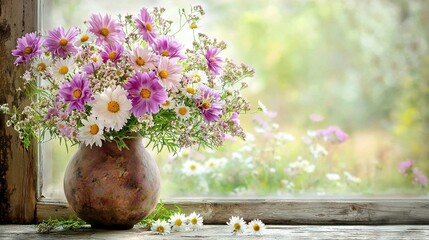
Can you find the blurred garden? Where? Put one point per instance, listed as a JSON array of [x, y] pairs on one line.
[[339, 99]]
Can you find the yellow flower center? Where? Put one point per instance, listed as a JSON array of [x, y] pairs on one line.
[[112, 55], [194, 221], [113, 106], [190, 90], [140, 61], [178, 222], [84, 38], [93, 129], [182, 111], [118, 73], [160, 229], [104, 31], [193, 167], [28, 50], [197, 77], [41, 66], [205, 105], [256, 227], [163, 74], [165, 53], [61, 125], [63, 42], [193, 25], [145, 93], [94, 59], [63, 70], [237, 227], [149, 27], [77, 93], [166, 104]]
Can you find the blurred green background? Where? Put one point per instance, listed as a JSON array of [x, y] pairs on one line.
[[361, 64]]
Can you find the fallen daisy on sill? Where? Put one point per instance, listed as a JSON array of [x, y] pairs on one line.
[[195, 221], [178, 222], [256, 226], [237, 225], [160, 227]]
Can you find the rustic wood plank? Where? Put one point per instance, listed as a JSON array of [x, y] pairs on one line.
[[288, 211], [216, 232], [17, 166]]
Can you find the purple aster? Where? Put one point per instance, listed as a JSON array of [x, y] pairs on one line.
[[213, 61], [209, 104], [61, 43], [112, 52], [332, 134], [106, 29], [405, 166], [51, 112], [76, 92], [145, 25], [167, 47], [145, 93], [419, 177], [234, 119], [27, 47]]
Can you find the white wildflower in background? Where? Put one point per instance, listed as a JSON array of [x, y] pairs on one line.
[[318, 150], [333, 176], [192, 168], [236, 225], [351, 178], [195, 221], [178, 222], [160, 227], [256, 226]]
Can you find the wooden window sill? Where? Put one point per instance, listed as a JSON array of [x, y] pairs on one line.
[[217, 232]]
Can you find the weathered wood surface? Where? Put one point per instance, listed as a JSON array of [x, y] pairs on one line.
[[17, 166], [217, 232], [288, 211]]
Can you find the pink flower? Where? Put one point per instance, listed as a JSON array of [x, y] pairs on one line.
[[419, 177], [213, 61], [145, 25], [332, 134], [142, 59], [167, 47], [76, 92], [106, 29], [27, 47], [234, 119], [145, 93], [112, 52], [405, 166], [170, 73], [209, 104], [60, 43]]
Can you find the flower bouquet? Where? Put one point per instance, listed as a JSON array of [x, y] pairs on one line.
[[120, 80], [130, 77]]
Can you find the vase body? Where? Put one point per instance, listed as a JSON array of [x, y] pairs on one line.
[[111, 188]]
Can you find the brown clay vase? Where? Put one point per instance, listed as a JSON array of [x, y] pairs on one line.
[[111, 188]]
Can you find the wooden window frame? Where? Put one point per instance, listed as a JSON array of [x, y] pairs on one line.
[[20, 200]]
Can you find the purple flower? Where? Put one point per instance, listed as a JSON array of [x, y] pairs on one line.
[[112, 52], [419, 177], [76, 92], [90, 67], [332, 134], [60, 43], [51, 112], [234, 119], [405, 166], [213, 61], [209, 104], [145, 93], [63, 129], [145, 25], [167, 47], [106, 29], [27, 47]]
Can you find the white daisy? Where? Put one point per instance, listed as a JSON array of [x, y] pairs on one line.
[[333, 176], [41, 65], [142, 59], [191, 91], [197, 76], [91, 132], [236, 225], [61, 68], [113, 107], [178, 221], [84, 39], [192, 168], [195, 221], [256, 226], [182, 111], [96, 59], [169, 104], [160, 227]]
